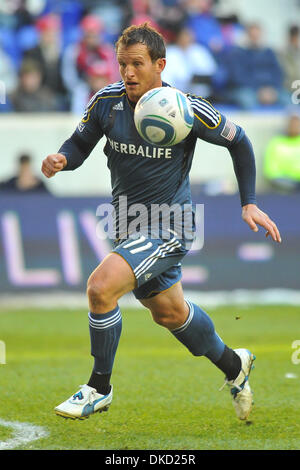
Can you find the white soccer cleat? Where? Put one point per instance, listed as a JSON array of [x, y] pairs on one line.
[[84, 403], [242, 396]]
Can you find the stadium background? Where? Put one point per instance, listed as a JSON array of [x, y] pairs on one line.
[[233, 261]]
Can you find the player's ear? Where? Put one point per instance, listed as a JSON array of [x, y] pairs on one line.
[[160, 64]]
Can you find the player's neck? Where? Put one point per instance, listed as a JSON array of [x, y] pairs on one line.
[[132, 104]]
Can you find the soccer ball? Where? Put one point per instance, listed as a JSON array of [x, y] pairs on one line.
[[163, 116]]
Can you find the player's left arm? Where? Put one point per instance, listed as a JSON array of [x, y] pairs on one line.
[[253, 216], [215, 128]]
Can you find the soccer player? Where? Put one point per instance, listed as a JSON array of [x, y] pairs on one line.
[[148, 265]]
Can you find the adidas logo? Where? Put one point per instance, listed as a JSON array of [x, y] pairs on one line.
[[147, 276], [118, 107]]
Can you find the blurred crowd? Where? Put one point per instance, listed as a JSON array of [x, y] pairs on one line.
[[54, 55]]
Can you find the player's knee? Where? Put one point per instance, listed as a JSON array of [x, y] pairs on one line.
[[98, 293]]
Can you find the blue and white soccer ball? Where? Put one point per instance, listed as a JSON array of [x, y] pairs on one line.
[[163, 116]]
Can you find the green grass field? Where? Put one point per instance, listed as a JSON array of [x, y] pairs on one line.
[[164, 398]]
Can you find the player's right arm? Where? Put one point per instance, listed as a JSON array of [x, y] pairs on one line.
[[75, 150], [53, 164]]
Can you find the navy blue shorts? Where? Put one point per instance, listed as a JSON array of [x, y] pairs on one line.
[[156, 263]]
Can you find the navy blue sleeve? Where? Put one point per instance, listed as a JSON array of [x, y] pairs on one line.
[[244, 166], [86, 136], [213, 127], [76, 150]]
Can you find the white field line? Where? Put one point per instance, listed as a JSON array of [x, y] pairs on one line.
[[23, 433]]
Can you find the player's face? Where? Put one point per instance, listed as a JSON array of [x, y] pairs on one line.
[[138, 71]]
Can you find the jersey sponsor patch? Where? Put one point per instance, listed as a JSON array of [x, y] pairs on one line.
[[229, 130], [81, 126]]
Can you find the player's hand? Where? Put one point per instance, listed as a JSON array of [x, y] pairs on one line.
[[253, 216], [53, 164]]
